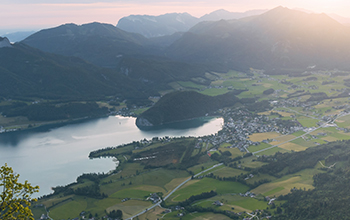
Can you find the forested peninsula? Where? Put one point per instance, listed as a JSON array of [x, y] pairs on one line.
[[184, 105]]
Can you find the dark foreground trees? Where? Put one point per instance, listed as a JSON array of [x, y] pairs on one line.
[[15, 197]]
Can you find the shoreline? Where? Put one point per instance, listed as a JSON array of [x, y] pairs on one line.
[[58, 123]]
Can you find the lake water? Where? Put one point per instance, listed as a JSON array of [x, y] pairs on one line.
[[51, 156]]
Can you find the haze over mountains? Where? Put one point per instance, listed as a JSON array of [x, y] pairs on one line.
[[280, 40], [167, 24]]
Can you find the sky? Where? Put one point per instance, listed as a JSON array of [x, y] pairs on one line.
[[18, 15]]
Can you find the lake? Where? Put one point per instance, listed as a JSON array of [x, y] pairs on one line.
[[52, 156]]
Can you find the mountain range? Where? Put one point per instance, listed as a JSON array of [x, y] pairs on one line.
[[280, 38], [280, 41], [107, 46], [29, 72], [168, 24]]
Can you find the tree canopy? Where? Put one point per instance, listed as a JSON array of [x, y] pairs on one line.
[[15, 197]]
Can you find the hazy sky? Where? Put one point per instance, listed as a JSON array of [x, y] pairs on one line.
[[37, 14]]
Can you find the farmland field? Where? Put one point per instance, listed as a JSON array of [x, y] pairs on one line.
[[206, 185], [263, 136]]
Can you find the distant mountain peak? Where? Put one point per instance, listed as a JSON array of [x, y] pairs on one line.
[[227, 15], [4, 42], [156, 26]]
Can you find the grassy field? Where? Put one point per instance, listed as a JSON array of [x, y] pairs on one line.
[[190, 85], [214, 91], [244, 202], [228, 172], [67, 210], [251, 162], [155, 213], [234, 151], [258, 177], [343, 122], [298, 133], [263, 136], [235, 203], [204, 216], [205, 162], [130, 207], [307, 122], [197, 187], [272, 151], [304, 142], [132, 193], [281, 139], [302, 179], [157, 177], [292, 147], [261, 146], [38, 211]]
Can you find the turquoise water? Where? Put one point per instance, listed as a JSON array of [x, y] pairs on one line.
[[52, 156]]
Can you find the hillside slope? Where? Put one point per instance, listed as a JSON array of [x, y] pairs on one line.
[[185, 105], [28, 72], [280, 38], [101, 44]]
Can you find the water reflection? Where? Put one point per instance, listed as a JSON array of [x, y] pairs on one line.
[[56, 155]]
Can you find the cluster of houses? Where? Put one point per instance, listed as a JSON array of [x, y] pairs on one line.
[[218, 203], [239, 124], [154, 198], [248, 194]]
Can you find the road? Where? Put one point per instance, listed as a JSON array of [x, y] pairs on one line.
[[323, 125], [167, 196], [184, 182]]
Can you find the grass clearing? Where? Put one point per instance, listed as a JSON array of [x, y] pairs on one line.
[[234, 151], [130, 207], [206, 185], [228, 172], [304, 143], [298, 133], [156, 177], [204, 216], [292, 147], [261, 146], [272, 151], [131, 193], [174, 183], [251, 162], [214, 91], [67, 210], [282, 186], [258, 177], [154, 213], [263, 136], [38, 211], [247, 203], [190, 85], [206, 164], [308, 122], [343, 122], [281, 139]]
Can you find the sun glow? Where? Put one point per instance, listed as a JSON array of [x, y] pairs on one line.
[[40, 15]]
